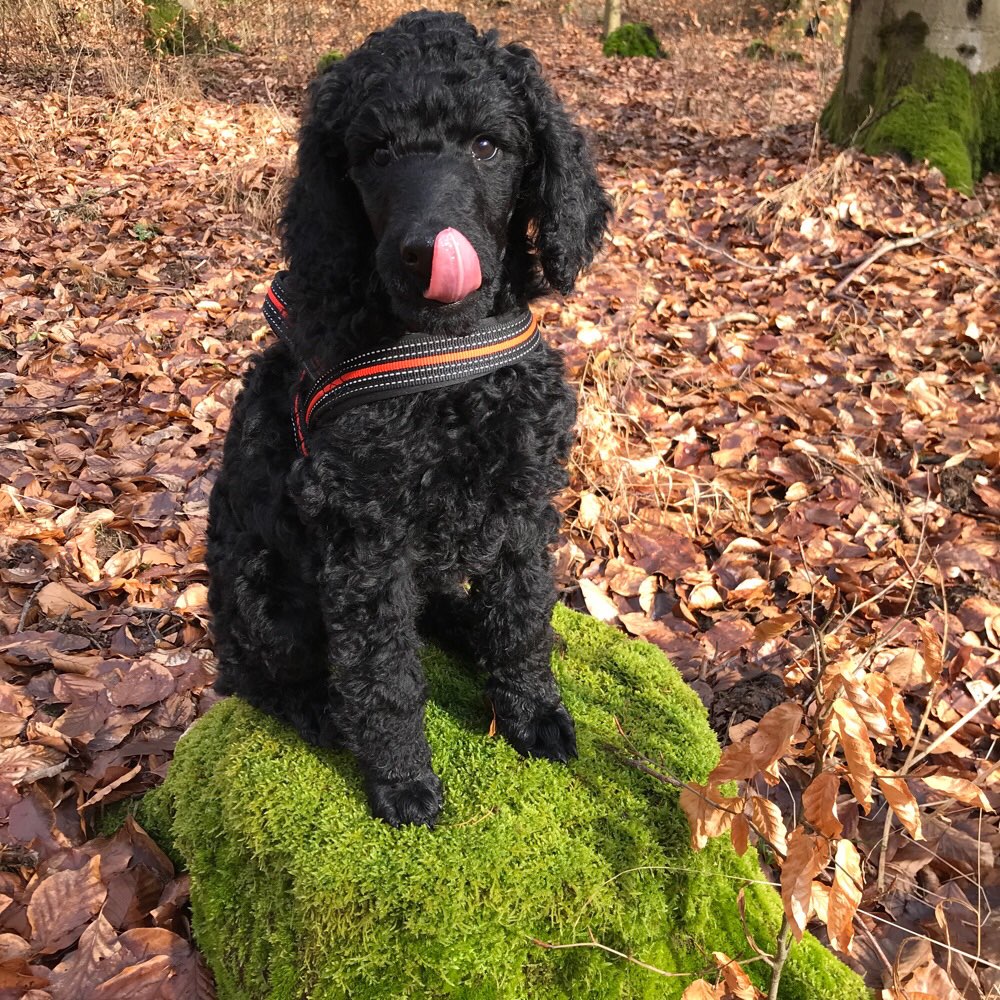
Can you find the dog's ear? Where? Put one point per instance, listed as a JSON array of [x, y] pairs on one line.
[[565, 204], [325, 233]]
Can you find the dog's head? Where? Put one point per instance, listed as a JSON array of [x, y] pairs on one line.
[[437, 173]]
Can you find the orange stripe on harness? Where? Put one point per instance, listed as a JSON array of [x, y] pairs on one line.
[[412, 363]]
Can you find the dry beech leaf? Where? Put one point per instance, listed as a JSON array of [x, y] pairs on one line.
[[737, 763], [598, 603], [124, 562], [701, 805], [143, 981], [776, 733], [807, 857], [819, 899], [819, 803], [704, 597], [845, 896], [57, 599], [13, 946], [960, 789], [930, 647], [932, 981], [738, 983], [872, 711], [628, 581], [590, 510], [893, 706], [97, 956], [144, 684], [897, 793], [773, 739], [740, 834], [767, 818], [907, 669], [771, 628], [62, 905], [193, 598], [647, 594], [701, 989], [853, 735]]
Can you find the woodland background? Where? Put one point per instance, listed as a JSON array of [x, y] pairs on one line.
[[787, 476]]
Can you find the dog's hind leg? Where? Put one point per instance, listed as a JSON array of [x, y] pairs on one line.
[[513, 603], [269, 638]]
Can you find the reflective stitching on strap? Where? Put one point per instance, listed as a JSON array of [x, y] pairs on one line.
[[413, 363]]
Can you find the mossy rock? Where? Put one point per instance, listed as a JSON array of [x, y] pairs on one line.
[[296, 891], [632, 40], [328, 59], [758, 50], [174, 28]]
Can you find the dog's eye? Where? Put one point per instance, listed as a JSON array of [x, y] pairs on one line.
[[484, 148], [381, 156]]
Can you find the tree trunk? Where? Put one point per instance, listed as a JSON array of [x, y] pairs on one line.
[[922, 78], [612, 16]]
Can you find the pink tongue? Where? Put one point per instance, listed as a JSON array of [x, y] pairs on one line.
[[455, 268]]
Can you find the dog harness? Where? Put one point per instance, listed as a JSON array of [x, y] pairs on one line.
[[411, 364]]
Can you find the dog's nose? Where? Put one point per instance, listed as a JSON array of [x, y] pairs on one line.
[[418, 256]]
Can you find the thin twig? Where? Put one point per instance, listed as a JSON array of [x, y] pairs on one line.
[[612, 951], [951, 730], [874, 943], [948, 947], [780, 955], [72, 79], [925, 716], [910, 241], [687, 237], [23, 620]]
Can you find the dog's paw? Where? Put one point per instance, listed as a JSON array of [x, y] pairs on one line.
[[402, 803], [548, 733]]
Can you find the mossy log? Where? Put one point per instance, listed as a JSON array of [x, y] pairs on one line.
[[297, 892], [922, 79]]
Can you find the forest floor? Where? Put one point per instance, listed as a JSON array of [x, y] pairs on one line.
[[787, 478]]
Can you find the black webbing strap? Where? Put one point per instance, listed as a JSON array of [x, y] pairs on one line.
[[412, 363]]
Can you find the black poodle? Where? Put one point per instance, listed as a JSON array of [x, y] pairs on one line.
[[391, 463]]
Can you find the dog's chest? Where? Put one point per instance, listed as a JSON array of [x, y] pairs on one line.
[[449, 474]]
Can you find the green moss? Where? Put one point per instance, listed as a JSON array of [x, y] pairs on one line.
[[632, 40], [986, 95], [297, 891], [932, 117], [923, 106], [172, 30], [328, 59], [759, 49]]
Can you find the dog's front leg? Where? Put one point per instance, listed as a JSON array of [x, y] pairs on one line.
[[377, 685], [514, 603]]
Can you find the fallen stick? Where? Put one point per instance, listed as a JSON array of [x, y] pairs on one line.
[[909, 241]]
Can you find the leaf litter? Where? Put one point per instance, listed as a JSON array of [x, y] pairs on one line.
[[787, 478]]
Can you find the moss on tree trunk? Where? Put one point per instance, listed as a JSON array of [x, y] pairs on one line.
[[898, 93]]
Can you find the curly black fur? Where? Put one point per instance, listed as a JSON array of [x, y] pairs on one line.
[[430, 511]]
